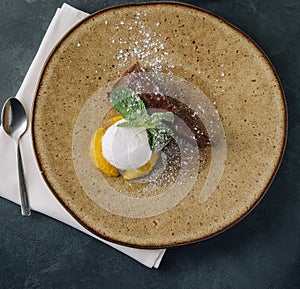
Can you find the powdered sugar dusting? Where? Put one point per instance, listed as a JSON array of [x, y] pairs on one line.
[[144, 44]]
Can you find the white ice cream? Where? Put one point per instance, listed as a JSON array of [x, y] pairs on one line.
[[126, 148]]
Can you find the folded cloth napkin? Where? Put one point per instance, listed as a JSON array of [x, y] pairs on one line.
[[40, 197]]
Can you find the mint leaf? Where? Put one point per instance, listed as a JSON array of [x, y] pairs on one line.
[[149, 121], [159, 137], [158, 117], [128, 104]]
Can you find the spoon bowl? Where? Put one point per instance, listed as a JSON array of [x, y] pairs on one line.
[[14, 118], [14, 122]]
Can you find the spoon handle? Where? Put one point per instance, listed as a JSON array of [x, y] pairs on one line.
[[25, 209]]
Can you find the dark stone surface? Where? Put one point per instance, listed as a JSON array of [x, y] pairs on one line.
[[262, 251]]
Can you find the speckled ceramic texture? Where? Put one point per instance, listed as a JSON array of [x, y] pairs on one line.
[[193, 44]]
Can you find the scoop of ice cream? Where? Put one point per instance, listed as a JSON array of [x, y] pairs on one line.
[[126, 148]]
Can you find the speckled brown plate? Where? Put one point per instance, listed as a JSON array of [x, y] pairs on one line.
[[192, 44]]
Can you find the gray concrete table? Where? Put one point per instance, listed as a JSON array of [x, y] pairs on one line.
[[262, 251]]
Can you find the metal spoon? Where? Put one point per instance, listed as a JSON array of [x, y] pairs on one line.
[[14, 122]]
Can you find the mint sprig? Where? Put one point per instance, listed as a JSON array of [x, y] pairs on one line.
[[131, 107]]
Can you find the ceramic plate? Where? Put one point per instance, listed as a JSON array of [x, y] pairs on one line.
[[202, 60]]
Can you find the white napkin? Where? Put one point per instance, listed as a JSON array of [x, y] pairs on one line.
[[40, 197]]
